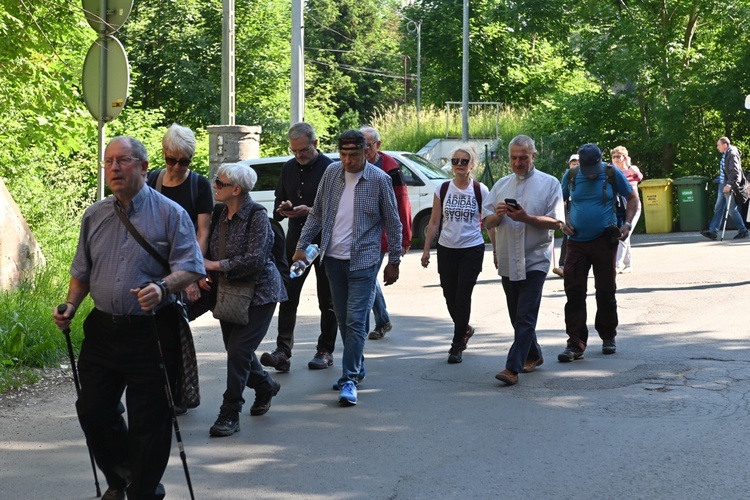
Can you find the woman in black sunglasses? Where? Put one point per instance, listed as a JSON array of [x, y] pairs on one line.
[[456, 213]]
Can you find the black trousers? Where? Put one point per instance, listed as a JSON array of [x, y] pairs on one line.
[[119, 356], [288, 310], [459, 269]]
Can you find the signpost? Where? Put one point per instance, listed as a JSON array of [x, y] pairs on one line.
[[106, 75]]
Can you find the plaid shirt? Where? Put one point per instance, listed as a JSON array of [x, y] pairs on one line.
[[374, 209]]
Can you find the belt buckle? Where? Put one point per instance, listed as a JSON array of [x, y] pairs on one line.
[[120, 319]]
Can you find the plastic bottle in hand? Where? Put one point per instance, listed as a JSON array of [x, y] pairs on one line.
[[312, 251]]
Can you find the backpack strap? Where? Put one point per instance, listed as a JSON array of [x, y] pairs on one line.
[[160, 179], [572, 174], [478, 195]]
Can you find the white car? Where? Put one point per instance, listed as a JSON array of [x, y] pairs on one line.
[[422, 178]]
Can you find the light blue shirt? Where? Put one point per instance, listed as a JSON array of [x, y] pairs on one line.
[[112, 262]]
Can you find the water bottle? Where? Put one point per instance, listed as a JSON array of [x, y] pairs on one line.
[[312, 251]]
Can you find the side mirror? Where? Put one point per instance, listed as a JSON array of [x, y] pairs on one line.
[[747, 102]]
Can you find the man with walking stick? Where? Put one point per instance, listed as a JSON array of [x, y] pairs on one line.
[[130, 337], [731, 195]]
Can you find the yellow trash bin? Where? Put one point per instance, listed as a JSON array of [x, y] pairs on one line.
[[657, 205]]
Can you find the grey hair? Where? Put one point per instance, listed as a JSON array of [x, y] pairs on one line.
[[179, 138], [468, 148], [523, 141], [302, 129], [724, 140], [136, 146], [372, 131], [239, 174]]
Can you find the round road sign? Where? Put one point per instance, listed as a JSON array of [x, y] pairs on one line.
[[106, 66], [117, 11]]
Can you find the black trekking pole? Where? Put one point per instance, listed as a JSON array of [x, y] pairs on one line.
[[170, 402], [61, 309]]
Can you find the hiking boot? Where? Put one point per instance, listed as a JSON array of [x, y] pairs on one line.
[[348, 394], [507, 376], [380, 331], [609, 347], [709, 234], [277, 359], [466, 337], [320, 361], [263, 400], [454, 356], [226, 424], [570, 354]]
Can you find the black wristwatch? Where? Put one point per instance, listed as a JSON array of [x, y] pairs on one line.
[[164, 289]]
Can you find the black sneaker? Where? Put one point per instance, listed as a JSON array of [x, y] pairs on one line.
[[454, 356], [741, 235], [180, 410], [277, 359], [709, 234], [609, 347], [570, 354], [320, 361], [226, 424], [380, 331], [263, 400], [113, 494]]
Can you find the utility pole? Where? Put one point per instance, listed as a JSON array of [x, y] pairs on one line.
[[227, 64], [465, 77], [297, 109]]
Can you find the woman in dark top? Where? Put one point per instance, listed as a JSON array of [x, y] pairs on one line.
[[248, 243]]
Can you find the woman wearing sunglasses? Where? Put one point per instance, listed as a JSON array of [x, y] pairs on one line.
[[457, 205]]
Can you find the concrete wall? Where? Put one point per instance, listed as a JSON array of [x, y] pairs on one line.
[[19, 251], [230, 144]]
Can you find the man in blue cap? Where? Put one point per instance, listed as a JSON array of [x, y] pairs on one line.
[[593, 236]]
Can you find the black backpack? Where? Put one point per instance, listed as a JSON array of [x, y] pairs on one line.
[[278, 252]]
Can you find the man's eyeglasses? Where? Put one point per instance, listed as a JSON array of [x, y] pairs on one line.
[[221, 185], [120, 160], [462, 161], [614, 157], [370, 144], [184, 162], [296, 152]]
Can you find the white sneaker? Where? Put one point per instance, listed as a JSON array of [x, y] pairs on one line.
[[625, 270]]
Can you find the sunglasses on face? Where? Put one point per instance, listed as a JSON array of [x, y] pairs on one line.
[[462, 161], [184, 162], [221, 185]]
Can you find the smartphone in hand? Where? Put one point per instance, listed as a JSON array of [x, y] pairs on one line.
[[512, 203]]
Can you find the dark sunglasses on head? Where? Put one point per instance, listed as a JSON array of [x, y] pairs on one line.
[[184, 162], [463, 161]]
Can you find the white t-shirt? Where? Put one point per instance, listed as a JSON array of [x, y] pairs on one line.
[[461, 216], [340, 246]]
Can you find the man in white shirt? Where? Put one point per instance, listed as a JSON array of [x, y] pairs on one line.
[[525, 207]]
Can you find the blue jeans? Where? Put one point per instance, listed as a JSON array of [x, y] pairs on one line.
[[352, 293], [378, 301], [523, 299], [720, 209]]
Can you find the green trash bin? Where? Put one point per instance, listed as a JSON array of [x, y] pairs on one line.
[[657, 205], [692, 201]]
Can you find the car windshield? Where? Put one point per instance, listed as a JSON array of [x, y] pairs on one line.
[[428, 169]]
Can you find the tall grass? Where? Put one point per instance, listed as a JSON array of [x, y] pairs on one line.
[[29, 338], [401, 128]]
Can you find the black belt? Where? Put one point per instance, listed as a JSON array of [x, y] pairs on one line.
[[124, 319]]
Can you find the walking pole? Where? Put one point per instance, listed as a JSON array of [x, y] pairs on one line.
[[61, 309], [726, 215], [170, 402]]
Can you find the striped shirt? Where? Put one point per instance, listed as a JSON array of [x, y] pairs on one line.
[[374, 209], [112, 262]]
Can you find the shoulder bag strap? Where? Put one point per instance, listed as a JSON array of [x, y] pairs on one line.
[[132, 230]]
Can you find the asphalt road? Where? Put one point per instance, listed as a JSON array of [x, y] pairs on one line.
[[664, 418]]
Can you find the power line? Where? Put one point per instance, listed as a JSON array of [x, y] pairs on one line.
[[368, 71]]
